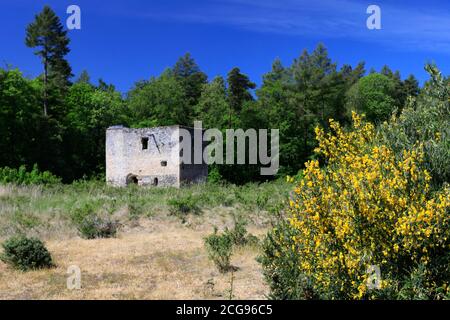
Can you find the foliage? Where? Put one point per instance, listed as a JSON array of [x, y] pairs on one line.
[[20, 119], [159, 102], [26, 253], [220, 248], [239, 235], [425, 119], [47, 33], [238, 90], [402, 89], [365, 208], [22, 176], [293, 99], [92, 225], [90, 111], [212, 108], [373, 95], [182, 205], [188, 73], [214, 175], [279, 259]]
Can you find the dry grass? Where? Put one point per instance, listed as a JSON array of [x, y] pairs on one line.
[[157, 259], [155, 254]]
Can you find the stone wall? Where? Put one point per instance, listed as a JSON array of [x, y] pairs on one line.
[[148, 157]]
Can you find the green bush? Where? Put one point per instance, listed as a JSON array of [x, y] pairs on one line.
[[372, 95], [214, 175], [279, 260], [26, 253], [262, 200], [239, 235], [220, 248], [181, 206], [23, 177], [91, 225], [135, 209], [425, 119], [79, 213]]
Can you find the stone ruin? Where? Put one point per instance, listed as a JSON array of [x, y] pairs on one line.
[[146, 157]]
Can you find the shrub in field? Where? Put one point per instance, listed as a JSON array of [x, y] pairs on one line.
[[262, 200], [26, 253], [181, 206], [135, 209], [239, 235], [92, 225], [366, 208], [280, 260], [214, 175], [220, 248], [22, 176]]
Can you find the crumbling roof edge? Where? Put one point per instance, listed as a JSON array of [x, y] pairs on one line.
[[120, 127]]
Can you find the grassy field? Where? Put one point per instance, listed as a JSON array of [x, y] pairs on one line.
[[158, 252]]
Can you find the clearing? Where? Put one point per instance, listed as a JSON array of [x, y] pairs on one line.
[[154, 256]]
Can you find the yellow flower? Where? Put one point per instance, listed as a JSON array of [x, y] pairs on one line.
[[365, 206]]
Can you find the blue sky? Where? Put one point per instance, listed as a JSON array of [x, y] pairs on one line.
[[125, 41]]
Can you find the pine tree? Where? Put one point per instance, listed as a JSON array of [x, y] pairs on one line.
[[238, 90], [351, 75], [84, 77], [411, 86], [387, 72], [185, 66], [277, 73], [103, 86], [47, 34], [191, 78]]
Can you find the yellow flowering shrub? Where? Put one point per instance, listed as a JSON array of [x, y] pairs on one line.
[[366, 208]]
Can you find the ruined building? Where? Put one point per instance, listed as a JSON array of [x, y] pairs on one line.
[[151, 156]]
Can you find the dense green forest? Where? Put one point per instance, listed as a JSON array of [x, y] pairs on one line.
[[58, 121], [365, 156]]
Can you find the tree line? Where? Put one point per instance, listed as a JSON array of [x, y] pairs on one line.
[[59, 123]]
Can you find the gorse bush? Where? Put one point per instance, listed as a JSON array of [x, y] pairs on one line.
[[26, 253], [366, 207], [280, 259], [22, 176], [220, 248]]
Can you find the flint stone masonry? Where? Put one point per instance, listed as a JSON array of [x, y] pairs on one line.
[[145, 157]]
